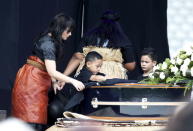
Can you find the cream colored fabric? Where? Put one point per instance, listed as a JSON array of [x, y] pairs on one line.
[[112, 61], [70, 115], [137, 128]]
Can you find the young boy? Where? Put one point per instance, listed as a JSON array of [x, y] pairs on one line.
[[148, 61], [90, 72], [68, 99]]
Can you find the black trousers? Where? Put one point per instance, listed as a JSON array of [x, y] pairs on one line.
[[38, 127], [68, 99]]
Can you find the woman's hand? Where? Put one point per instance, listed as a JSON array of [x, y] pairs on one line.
[[61, 83], [56, 87], [78, 85]]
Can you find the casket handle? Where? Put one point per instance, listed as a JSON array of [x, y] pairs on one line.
[[95, 103], [144, 100]]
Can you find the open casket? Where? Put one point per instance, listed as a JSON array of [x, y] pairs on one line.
[[133, 100]]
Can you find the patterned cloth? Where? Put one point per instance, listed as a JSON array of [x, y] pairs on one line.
[[112, 61], [30, 93]]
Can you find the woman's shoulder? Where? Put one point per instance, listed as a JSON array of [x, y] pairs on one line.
[[45, 38], [45, 42]]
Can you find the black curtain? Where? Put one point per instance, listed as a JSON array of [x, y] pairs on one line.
[[21, 22], [144, 22], [9, 25], [35, 17]]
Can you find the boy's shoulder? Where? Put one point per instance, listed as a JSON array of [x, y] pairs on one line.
[[84, 75], [84, 70]]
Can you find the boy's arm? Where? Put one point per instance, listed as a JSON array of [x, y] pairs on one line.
[[98, 78]]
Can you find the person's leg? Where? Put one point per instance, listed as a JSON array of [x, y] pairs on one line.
[[55, 110], [38, 127]]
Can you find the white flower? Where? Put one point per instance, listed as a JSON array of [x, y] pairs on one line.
[[187, 61], [164, 66], [179, 61], [155, 68], [162, 75], [191, 70], [189, 51], [188, 48], [184, 69], [184, 73], [173, 61], [174, 69], [151, 75]]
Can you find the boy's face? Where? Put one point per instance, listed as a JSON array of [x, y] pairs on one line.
[[147, 63], [94, 66]]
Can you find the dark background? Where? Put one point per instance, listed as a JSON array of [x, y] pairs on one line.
[[21, 21]]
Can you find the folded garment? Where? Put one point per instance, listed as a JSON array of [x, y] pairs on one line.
[[109, 82], [116, 81]]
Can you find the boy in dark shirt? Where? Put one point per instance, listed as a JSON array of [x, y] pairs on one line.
[[148, 61], [69, 99], [90, 72]]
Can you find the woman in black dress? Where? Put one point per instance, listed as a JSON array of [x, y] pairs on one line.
[[109, 40], [30, 92]]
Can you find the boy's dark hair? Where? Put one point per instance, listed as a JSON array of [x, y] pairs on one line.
[[150, 52], [92, 56]]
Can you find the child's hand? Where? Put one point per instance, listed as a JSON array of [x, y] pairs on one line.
[[110, 77], [98, 78]]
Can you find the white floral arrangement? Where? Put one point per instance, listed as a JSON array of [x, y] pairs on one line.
[[178, 70]]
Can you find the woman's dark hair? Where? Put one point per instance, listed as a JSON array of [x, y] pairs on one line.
[[92, 56], [56, 27], [150, 52], [59, 24], [108, 29], [110, 16]]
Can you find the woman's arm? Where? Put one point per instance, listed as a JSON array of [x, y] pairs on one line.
[[73, 63], [130, 66], [129, 58], [51, 69]]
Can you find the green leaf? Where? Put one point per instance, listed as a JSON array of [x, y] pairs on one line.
[[170, 80], [183, 56], [191, 64]]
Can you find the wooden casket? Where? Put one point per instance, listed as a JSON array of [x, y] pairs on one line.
[[133, 100]]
